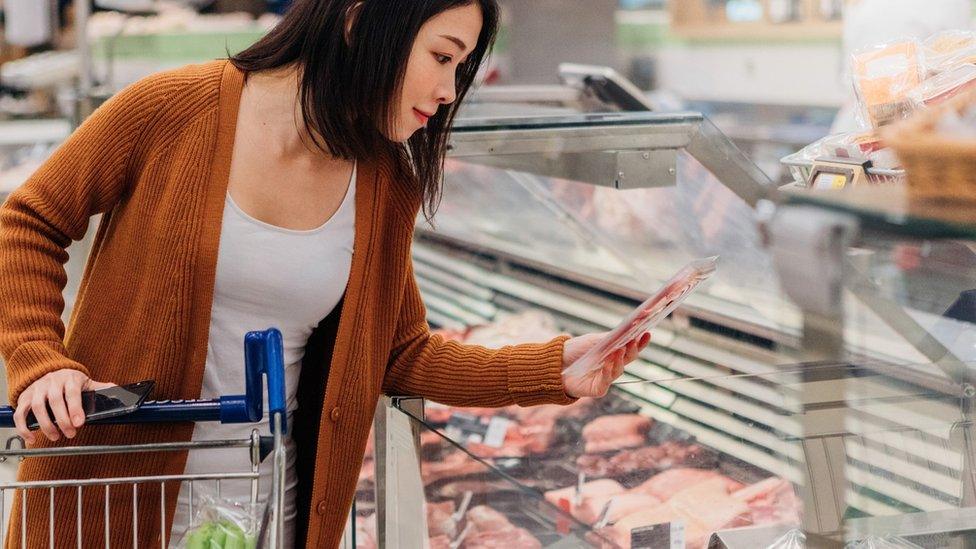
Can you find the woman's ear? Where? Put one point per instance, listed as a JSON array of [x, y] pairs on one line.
[[352, 15]]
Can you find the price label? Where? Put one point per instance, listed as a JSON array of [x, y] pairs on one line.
[[656, 536]]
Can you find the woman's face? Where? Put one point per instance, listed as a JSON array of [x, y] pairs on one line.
[[444, 42]]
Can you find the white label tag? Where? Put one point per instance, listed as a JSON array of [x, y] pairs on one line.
[[497, 429], [678, 535]]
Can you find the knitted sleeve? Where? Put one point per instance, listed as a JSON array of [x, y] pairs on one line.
[[85, 176], [424, 364]]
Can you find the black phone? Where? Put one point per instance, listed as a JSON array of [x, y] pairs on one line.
[[107, 402]]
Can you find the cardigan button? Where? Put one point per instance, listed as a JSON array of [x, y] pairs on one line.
[[335, 414], [322, 507]]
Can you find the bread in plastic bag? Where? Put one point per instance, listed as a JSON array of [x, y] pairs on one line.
[[883, 77], [221, 524], [793, 539]]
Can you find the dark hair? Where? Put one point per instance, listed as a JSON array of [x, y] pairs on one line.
[[349, 88]]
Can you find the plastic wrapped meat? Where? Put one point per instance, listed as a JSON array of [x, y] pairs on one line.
[[439, 519], [615, 432], [666, 485], [626, 462]]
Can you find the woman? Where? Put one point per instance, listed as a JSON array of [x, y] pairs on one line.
[[278, 188]]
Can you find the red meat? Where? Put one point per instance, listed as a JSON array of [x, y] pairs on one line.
[[615, 432], [665, 485]]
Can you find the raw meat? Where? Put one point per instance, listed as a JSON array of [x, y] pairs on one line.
[[439, 520], [702, 508], [552, 411], [626, 462], [514, 538], [366, 532], [771, 501], [596, 488], [440, 542], [520, 441], [615, 432], [485, 519], [665, 485], [454, 465], [623, 504]]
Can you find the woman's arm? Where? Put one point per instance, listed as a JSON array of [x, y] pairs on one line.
[[422, 364], [86, 175]]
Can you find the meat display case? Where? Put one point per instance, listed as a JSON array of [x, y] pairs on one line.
[[817, 388]]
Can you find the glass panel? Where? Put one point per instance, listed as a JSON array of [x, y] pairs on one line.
[[881, 457], [891, 208]]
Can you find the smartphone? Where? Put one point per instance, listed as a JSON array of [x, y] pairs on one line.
[[107, 402], [645, 316]]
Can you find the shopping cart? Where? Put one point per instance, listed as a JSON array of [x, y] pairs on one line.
[[262, 356]]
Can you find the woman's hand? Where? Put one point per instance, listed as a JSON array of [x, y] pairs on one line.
[[62, 390], [597, 382]]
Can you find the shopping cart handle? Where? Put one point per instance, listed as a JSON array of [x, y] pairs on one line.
[[263, 355]]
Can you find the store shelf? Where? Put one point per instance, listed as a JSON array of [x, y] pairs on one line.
[[892, 209]]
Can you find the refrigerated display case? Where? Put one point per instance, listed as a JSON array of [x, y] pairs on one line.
[[816, 390]]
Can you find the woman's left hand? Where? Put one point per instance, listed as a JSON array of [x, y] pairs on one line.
[[597, 382]]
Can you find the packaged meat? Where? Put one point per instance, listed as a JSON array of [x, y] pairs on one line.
[[883, 77], [949, 49], [645, 316], [945, 85], [616, 432]]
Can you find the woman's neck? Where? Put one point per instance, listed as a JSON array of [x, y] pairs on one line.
[[273, 98]]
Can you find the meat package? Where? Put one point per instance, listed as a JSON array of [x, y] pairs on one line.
[[645, 316]]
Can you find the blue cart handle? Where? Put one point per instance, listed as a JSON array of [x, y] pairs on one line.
[[263, 355]]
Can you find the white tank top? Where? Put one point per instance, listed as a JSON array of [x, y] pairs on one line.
[[267, 276]]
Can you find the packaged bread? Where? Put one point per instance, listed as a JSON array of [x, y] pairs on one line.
[[949, 50], [883, 78]]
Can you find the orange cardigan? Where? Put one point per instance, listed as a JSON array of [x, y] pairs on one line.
[[154, 160]]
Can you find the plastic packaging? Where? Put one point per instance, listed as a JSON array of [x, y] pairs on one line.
[[949, 50], [221, 524], [794, 539], [887, 542], [883, 78], [645, 316], [944, 86]]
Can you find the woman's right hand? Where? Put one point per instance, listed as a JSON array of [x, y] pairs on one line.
[[62, 390]]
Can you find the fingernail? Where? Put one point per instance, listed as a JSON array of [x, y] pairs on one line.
[[77, 421]]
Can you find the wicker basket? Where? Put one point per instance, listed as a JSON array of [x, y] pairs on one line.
[[938, 166]]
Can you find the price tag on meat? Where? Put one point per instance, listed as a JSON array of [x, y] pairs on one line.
[[645, 316], [657, 536]]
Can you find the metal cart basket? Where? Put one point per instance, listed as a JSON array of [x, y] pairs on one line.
[[263, 356]]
